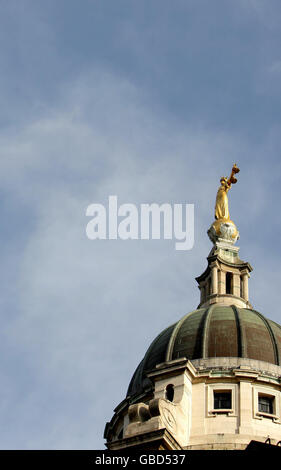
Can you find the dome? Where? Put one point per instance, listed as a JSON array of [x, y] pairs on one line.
[[216, 331]]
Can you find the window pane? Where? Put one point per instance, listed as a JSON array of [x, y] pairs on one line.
[[222, 400], [266, 404]]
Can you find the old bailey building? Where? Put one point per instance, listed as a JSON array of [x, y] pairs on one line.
[[211, 380]]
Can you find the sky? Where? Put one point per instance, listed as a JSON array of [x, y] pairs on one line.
[[152, 101]]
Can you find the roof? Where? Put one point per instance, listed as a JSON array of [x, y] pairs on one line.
[[216, 331]]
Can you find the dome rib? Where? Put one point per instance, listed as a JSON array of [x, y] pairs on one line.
[[204, 341], [172, 340], [154, 342], [276, 329], [258, 341], [240, 341], [137, 379], [216, 331], [272, 336]]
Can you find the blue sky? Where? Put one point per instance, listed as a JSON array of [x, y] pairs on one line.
[[152, 101]]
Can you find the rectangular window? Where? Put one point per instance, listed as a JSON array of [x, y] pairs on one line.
[[222, 400], [266, 404]]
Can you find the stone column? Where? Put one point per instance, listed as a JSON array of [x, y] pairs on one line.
[[214, 280], [236, 284], [245, 286], [221, 282]]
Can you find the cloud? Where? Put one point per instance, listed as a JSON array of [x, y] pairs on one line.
[[79, 302], [78, 315]]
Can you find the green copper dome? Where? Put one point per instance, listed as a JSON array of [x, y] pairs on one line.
[[216, 331]]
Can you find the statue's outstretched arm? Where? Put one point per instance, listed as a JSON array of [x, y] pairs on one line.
[[232, 179]]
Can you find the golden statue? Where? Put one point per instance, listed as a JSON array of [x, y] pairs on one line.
[[221, 208], [223, 228]]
